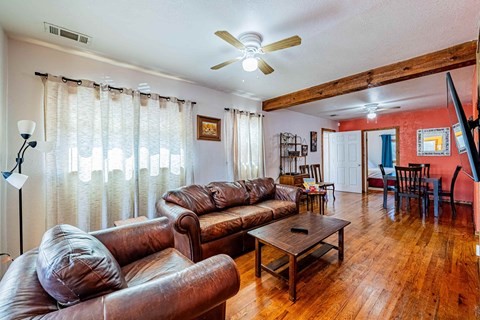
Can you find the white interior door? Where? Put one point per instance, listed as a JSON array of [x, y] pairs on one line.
[[346, 161], [326, 155]]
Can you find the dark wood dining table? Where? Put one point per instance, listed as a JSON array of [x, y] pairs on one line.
[[434, 179]]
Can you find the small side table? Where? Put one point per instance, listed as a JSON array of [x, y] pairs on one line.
[[316, 196]]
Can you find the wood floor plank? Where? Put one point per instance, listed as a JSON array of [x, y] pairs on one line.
[[396, 266]]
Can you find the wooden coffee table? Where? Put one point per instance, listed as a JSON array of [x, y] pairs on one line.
[[294, 245]]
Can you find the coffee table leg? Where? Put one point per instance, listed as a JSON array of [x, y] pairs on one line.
[[340, 244], [292, 278], [258, 258]]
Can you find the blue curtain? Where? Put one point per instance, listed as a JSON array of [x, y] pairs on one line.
[[387, 150]]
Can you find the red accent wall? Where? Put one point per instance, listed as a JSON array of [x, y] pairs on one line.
[[409, 122]]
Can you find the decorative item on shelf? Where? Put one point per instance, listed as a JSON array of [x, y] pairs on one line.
[[208, 128], [17, 180], [313, 141], [285, 139]]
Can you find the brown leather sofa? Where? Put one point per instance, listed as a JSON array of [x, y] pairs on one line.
[[213, 219], [129, 272]]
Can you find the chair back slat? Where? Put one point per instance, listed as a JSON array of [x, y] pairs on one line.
[[425, 168], [316, 172], [382, 169]]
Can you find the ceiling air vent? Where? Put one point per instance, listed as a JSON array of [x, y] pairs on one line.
[[65, 33]]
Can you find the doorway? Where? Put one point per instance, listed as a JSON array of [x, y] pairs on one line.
[[325, 139], [345, 165], [381, 146]]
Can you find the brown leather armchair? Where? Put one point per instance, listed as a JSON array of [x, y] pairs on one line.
[[161, 283]]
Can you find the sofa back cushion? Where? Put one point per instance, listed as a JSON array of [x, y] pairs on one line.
[[260, 189], [229, 194], [196, 198], [74, 266]]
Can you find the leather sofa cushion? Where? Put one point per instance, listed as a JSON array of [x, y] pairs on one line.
[[74, 266], [196, 198], [228, 194], [218, 224], [252, 216], [155, 266], [21, 294], [260, 189], [280, 208]]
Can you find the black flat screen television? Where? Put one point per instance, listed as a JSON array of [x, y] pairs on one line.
[[462, 133]]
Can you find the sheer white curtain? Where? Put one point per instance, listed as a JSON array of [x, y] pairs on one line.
[[165, 147], [115, 152], [244, 145]]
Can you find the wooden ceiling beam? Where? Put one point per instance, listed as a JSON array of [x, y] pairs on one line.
[[458, 56]]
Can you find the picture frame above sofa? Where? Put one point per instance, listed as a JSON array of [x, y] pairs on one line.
[[208, 128]]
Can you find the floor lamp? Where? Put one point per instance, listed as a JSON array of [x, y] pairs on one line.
[[26, 129]]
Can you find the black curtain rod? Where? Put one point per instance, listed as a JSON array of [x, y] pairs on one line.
[[79, 82], [251, 113]]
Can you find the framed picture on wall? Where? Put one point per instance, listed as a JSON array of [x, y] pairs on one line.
[[313, 141], [208, 128], [304, 149]]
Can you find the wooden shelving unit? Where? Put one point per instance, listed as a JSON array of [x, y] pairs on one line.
[[290, 158]]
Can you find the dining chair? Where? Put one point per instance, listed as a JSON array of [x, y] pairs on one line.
[[316, 171], [409, 185], [382, 170], [305, 169], [450, 193], [426, 174]]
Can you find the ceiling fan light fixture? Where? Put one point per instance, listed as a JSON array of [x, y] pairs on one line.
[[250, 64], [371, 115]]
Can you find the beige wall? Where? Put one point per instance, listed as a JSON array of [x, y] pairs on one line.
[[295, 123], [25, 96], [3, 142]]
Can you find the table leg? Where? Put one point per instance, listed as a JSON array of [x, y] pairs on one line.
[[322, 203], [435, 198], [385, 187], [340, 244], [258, 258], [292, 278]]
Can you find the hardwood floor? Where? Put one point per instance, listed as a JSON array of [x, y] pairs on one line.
[[396, 266]]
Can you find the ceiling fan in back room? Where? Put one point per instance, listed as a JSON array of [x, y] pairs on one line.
[[250, 46], [371, 109]]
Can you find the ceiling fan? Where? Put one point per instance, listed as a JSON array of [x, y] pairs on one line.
[[250, 45], [371, 109]]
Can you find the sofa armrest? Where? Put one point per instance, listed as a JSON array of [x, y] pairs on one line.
[[287, 192], [134, 241], [186, 294], [186, 229]]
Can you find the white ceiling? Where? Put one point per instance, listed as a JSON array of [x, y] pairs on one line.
[[339, 38]]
